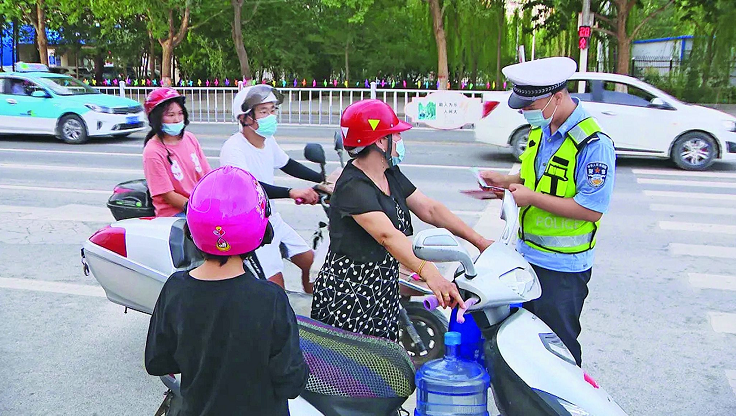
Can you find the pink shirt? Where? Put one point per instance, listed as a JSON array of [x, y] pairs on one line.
[[188, 165]]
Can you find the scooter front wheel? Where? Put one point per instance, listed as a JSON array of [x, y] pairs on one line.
[[431, 327]]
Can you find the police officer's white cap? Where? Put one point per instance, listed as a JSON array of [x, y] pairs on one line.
[[538, 79]]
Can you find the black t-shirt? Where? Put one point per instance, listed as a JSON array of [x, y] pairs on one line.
[[234, 341], [355, 194]]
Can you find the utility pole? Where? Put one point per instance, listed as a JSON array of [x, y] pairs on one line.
[[585, 20]]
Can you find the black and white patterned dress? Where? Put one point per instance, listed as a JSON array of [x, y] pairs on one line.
[[357, 288]]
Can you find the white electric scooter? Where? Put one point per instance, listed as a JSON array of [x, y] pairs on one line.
[[532, 372]]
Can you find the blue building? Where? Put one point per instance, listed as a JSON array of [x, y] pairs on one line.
[[24, 47]]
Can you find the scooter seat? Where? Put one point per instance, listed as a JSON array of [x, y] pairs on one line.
[[184, 254], [353, 373]]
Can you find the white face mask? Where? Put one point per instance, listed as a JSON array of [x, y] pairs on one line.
[[535, 118]]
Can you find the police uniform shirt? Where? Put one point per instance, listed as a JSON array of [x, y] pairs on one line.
[[596, 165]]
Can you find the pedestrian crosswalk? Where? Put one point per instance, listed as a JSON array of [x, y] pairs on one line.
[[697, 211]]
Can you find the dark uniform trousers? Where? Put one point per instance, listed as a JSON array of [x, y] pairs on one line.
[[561, 303]]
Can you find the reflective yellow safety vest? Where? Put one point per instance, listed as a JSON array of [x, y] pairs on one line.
[[543, 230]]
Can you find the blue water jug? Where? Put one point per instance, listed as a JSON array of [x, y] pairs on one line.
[[471, 343], [452, 386]]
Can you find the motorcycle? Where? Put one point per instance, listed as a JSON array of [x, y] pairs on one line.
[[532, 372]]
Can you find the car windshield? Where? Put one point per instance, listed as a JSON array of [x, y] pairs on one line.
[[66, 86]]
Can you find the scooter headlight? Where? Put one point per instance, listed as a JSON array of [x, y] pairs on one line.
[[561, 406], [520, 281]]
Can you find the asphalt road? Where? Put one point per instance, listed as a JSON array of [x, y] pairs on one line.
[[659, 325]]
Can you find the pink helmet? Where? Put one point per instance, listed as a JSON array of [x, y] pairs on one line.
[[227, 213], [160, 96]]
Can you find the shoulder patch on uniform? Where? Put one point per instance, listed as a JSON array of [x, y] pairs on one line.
[[596, 174]]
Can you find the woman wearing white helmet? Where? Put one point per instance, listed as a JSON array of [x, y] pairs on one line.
[[255, 150]]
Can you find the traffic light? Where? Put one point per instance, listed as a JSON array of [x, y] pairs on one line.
[[584, 33]]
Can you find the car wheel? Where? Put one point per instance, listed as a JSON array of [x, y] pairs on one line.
[[518, 142], [72, 129], [694, 151]]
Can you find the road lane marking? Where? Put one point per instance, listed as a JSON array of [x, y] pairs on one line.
[[712, 281], [52, 287], [688, 174], [93, 213], [699, 184], [64, 168], [691, 196], [692, 209], [214, 158], [697, 227], [678, 249], [724, 323], [51, 189]]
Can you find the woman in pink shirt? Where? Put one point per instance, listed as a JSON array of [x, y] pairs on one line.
[[173, 161]]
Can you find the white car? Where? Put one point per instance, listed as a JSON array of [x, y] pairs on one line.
[[642, 120]]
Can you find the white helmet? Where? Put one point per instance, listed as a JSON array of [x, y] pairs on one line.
[[249, 97]]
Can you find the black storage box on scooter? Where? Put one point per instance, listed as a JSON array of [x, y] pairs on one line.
[[131, 199]]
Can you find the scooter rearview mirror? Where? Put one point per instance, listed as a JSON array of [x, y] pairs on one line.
[[314, 152], [439, 245], [338, 141]]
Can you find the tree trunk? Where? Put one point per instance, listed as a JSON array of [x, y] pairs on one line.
[[172, 41], [498, 49], [151, 58], [99, 65], [438, 28], [167, 47], [709, 56], [40, 26], [237, 33], [347, 61], [623, 41]]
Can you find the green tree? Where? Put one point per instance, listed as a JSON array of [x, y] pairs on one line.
[[34, 13]]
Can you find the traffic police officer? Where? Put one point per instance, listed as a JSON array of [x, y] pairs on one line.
[[564, 188]]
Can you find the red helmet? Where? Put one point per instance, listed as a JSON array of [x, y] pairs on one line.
[[367, 121], [160, 96]]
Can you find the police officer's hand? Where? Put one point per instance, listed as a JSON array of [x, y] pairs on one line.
[[522, 195], [304, 196], [494, 178]]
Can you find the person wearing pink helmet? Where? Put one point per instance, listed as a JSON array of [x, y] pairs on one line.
[[173, 160], [232, 336]]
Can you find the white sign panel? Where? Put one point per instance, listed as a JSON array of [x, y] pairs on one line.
[[445, 110]]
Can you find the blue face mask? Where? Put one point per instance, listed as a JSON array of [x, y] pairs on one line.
[[401, 150], [535, 118], [267, 126], [173, 129]]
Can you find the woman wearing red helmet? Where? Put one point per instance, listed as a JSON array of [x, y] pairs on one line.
[[357, 288], [173, 162]]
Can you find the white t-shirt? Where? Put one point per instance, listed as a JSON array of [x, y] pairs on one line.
[[261, 163]]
